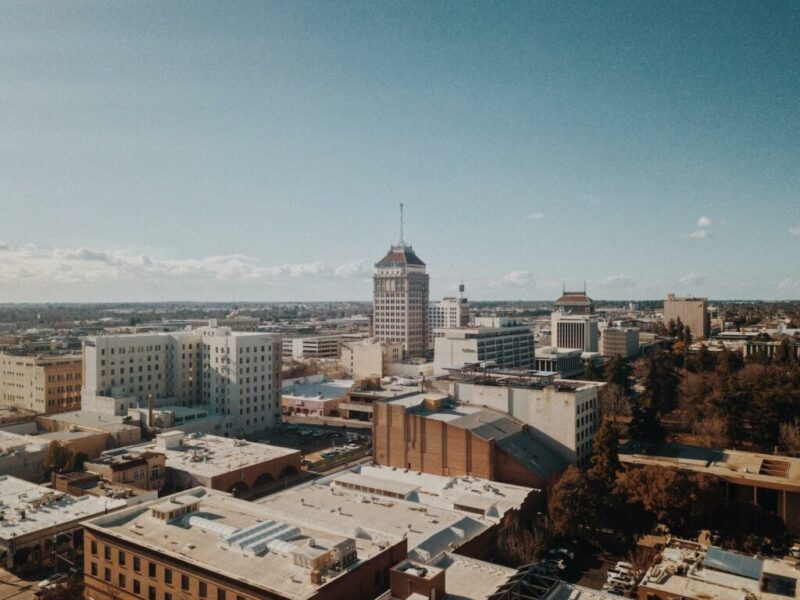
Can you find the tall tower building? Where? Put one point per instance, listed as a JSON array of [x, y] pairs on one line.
[[400, 298]]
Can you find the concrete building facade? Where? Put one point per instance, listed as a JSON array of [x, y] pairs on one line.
[[563, 415], [369, 358], [235, 375], [505, 347], [448, 313], [620, 341], [40, 383], [400, 300], [692, 311], [575, 331]]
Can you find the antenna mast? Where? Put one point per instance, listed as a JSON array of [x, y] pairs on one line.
[[402, 240]]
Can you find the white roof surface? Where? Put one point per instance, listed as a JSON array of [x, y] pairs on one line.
[[206, 538], [426, 517], [59, 509], [211, 455], [321, 390]]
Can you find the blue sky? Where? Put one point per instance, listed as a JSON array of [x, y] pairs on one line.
[[258, 151]]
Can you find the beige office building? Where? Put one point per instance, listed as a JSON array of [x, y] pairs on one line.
[[400, 305], [42, 384], [620, 341], [692, 311]]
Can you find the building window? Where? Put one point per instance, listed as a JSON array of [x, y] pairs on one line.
[[167, 596], [107, 574], [94, 569], [151, 593], [168, 576], [122, 581], [137, 564], [137, 588], [107, 552], [203, 589], [151, 569], [184, 582], [121, 558], [220, 594], [94, 547]]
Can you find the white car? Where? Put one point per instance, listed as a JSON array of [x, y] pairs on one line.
[[615, 580], [625, 565], [794, 551]]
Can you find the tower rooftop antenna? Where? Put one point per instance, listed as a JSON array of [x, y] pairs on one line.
[[402, 237]]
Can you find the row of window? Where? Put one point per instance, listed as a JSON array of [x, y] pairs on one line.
[[168, 577]]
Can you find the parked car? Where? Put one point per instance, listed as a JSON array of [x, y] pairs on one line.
[[625, 584], [557, 562], [562, 553], [624, 570], [614, 589], [794, 551], [625, 565]]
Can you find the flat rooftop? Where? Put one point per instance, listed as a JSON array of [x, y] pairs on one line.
[[237, 539], [29, 508], [715, 573], [208, 455], [433, 513], [320, 390], [85, 418], [13, 442], [469, 578], [768, 470]]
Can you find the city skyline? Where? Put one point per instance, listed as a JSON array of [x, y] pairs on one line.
[[188, 152]]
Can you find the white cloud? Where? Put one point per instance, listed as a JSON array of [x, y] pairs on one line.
[[355, 269], [619, 281], [693, 279], [788, 285], [700, 234], [703, 222], [81, 265], [793, 230], [537, 216], [517, 279]]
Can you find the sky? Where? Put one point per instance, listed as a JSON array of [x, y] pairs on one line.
[[258, 151]]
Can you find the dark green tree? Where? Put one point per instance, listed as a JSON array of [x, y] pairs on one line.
[[645, 426], [729, 362], [661, 381], [618, 371]]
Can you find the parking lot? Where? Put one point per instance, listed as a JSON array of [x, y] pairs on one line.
[[590, 567], [314, 440]]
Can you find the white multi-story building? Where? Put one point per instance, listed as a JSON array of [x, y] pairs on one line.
[[505, 347], [235, 375], [563, 414], [400, 305], [574, 331], [448, 313]]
